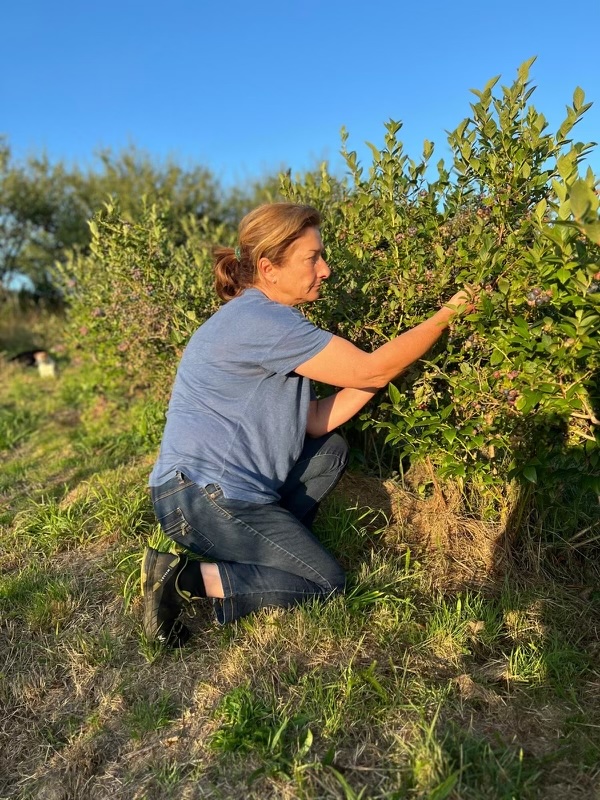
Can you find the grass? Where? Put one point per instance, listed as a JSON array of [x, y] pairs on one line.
[[445, 671]]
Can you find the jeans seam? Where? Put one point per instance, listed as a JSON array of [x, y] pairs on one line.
[[277, 547], [330, 486], [230, 599], [319, 455], [170, 493], [218, 508]]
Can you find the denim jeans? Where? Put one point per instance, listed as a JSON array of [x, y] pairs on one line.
[[266, 553]]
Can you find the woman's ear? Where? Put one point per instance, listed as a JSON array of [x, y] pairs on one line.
[[266, 270]]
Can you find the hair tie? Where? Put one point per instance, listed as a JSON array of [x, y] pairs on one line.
[[238, 253]]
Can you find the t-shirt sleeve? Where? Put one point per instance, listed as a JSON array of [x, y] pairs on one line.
[[296, 343]]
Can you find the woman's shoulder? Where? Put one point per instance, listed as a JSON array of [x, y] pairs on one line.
[[253, 304], [253, 311]]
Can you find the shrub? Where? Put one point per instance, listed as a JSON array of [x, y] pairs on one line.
[[513, 389], [135, 300]]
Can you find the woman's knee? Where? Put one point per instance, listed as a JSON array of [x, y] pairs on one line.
[[337, 579], [332, 456], [336, 445]]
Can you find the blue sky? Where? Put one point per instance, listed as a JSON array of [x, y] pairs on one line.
[[248, 88]]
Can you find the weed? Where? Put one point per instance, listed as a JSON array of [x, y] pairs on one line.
[[485, 770], [100, 649], [149, 714], [246, 723], [168, 776], [48, 527]]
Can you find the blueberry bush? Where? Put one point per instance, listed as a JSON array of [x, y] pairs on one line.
[[513, 391], [136, 299]]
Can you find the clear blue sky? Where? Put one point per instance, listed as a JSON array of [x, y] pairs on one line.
[[247, 88]]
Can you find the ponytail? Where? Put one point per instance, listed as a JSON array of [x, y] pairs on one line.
[[232, 274]]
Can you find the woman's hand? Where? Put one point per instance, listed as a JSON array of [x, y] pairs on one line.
[[463, 302]]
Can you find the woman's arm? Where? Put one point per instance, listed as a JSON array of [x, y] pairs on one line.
[[340, 363], [325, 415]]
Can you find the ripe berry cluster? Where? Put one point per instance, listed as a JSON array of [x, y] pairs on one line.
[[510, 395], [537, 297]]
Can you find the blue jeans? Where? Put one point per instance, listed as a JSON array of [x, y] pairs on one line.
[[266, 553]]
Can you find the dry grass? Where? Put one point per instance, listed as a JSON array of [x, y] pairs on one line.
[[461, 551], [398, 684]]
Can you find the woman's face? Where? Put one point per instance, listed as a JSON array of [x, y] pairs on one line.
[[298, 279]]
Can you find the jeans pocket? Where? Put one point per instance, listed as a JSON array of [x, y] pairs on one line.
[[213, 491], [179, 529]]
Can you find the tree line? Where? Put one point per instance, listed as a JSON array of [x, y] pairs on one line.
[[46, 206]]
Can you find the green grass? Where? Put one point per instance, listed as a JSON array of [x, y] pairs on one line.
[[150, 714], [16, 424], [401, 688], [38, 600]]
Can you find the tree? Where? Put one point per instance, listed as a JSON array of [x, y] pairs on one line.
[[41, 216], [45, 207]]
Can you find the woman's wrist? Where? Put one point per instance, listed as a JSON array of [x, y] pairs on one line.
[[444, 316], [461, 302]]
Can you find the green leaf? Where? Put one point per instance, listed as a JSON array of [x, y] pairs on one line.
[[503, 285], [521, 326], [496, 358], [523, 72], [394, 394], [374, 150], [278, 733], [449, 435], [444, 789], [527, 401], [530, 473], [578, 98], [491, 83], [307, 744], [563, 275], [349, 792], [580, 199], [540, 209], [592, 231]]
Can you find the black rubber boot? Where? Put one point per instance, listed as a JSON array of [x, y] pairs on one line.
[[163, 598]]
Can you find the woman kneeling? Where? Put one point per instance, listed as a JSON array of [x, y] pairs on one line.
[[248, 452]]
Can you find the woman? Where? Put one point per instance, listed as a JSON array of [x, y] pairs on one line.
[[248, 452]]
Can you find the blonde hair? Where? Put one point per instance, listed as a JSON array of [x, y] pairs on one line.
[[266, 232]]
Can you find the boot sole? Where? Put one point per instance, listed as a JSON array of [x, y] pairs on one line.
[[179, 633]]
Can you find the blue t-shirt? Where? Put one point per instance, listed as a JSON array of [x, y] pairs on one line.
[[237, 414]]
